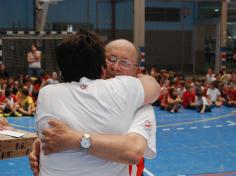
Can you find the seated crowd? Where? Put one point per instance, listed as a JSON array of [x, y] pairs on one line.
[[201, 94], [18, 96]]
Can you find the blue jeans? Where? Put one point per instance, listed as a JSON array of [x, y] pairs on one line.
[[34, 72]]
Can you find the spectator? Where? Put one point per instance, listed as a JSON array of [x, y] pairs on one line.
[[202, 103], [181, 88], [52, 80], [26, 102], [34, 61], [213, 94], [173, 101], [188, 99], [10, 104], [153, 72], [210, 76], [163, 99], [3, 72], [231, 97]]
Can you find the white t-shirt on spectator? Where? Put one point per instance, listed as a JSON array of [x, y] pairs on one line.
[[201, 101], [213, 94], [36, 63], [204, 100], [210, 78]]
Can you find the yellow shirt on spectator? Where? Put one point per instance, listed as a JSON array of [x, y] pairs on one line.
[[27, 102]]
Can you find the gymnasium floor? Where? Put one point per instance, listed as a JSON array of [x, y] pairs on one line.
[[188, 143]]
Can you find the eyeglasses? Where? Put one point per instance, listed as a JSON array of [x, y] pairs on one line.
[[122, 62]]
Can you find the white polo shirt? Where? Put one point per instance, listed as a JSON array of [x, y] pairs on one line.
[[98, 106]]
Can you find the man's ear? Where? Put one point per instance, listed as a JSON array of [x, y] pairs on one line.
[[139, 71], [103, 73]]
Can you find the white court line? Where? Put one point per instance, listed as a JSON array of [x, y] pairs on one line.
[[180, 128], [193, 128], [218, 126], [206, 126], [148, 172], [166, 129], [231, 123]]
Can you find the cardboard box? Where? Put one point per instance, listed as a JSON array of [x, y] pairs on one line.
[[11, 147]]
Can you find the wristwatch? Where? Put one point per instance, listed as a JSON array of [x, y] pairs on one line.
[[85, 142]]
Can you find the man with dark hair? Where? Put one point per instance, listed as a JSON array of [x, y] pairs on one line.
[[85, 50], [102, 106]]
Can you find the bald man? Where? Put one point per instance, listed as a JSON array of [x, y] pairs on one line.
[[140, 139]]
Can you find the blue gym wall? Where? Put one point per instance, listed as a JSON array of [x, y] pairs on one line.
[[168, 44], [16, 14], [95, 13], [19, 14], [184, 24]]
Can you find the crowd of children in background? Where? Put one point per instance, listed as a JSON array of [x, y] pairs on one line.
[[201, 94], [18, 96]]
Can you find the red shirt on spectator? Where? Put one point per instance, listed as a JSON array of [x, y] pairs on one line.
[[2, 98], [232, 94], [188, 98]]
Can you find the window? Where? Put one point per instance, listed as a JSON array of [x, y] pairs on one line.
[[162, 14]]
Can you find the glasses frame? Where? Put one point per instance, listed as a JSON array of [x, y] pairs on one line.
[[119, 60]]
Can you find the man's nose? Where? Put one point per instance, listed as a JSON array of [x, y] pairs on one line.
[[116, 66]]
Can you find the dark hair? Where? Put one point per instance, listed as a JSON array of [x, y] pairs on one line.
[[198, 91], [81, 55], [212, 68], [171, 93], [215, 83], [7, 92], [25, 92], [33, 44]]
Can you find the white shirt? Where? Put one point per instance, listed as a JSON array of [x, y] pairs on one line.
[[36, 63], [210, 78], [213, 93], [52, 81], [99, 106], [202, 101], [144, 123]]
